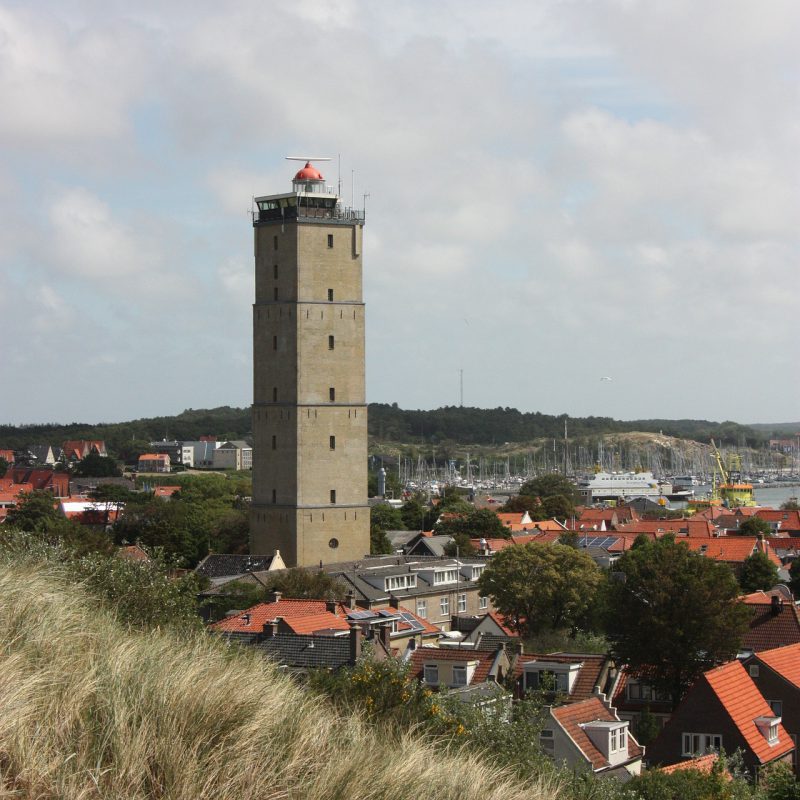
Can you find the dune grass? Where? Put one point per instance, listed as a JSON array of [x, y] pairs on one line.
[[90, 709]]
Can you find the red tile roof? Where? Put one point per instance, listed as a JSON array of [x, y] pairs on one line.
[[680, 527], [743, 703], [701, 764], [785, 661], [769, 630], [621, 701], [293, 611], [732, 549], [165, 491], [572, 717]]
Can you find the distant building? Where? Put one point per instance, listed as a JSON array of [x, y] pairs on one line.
[[78, 449], [233, 455], [154, 462]]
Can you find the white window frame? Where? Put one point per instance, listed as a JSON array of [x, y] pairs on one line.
[[461, 672], [444, 605], [698, 744], [462, 602], [430, 671], [422, 607], [483, 603]]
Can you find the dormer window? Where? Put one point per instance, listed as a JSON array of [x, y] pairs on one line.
[[459, 676], [431, 674], [395, 582], [550, 676], [441, 576], [768, 726]]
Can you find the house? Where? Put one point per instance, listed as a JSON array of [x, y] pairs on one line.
[[7, 456], [165, 492], [588, 736], [574, 677], [633, 695], [776, 674], [41, 455], [774, 620], [429, 545], [456, 668], [219, 568], [491, 624], [435, 589], [154, 462], [78, 449], [90, 512], [325, 618], [202, 452], [233, 455], [724, 710], [40, 479], [732, 550]]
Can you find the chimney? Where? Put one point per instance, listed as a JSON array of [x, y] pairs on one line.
[[246, 619], [394, 602], [351, 600], [330, 606], [275, 597], [776, 604], [385, 632], [517, 647], [355, 643], [270, 629]]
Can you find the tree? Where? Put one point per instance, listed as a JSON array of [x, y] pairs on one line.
[[672, 613], [758, 572], [790, 505], [35, 511], [460, 546], [97, 466], [307, 583], [753, 526], [549, 485], [794, 578], [540, 585], [475, 523], [3, 467], [524, 502], [413, 514], [382, 518]]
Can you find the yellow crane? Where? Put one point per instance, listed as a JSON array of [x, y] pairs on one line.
[[732, 491]]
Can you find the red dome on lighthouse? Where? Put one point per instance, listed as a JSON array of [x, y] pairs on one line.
[[309, 173]]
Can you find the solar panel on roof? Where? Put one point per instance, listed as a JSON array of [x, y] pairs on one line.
[[360, 614], [415, 624]]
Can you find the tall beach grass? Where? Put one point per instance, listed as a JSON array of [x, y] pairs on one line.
[[91, 709]]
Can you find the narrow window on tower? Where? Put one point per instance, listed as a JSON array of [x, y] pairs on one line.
[[275, 271], [330, 343], [274, 394], [274, 242], [333, 495], [330, 240], [275, 293], [274, 496], [330, 295], [274, 442], [274, 342], [333, 442], [332, 394]]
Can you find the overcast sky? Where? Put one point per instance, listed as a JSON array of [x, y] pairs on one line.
[[559, 192]]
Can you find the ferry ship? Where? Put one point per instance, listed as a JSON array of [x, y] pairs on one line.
[[618, 486]]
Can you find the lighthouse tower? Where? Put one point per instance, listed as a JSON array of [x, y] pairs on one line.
[[309, 409]]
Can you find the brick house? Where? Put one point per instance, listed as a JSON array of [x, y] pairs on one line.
[[724, 710], [776, 673]]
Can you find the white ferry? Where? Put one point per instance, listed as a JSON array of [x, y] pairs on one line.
[[621, 486]]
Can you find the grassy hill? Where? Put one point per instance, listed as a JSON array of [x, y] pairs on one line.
[[387, 423], [89, 709]]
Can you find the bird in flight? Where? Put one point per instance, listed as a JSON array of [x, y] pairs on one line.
[[605, 378]]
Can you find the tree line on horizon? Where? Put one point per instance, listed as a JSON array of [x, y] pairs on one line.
[[388, 423]]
